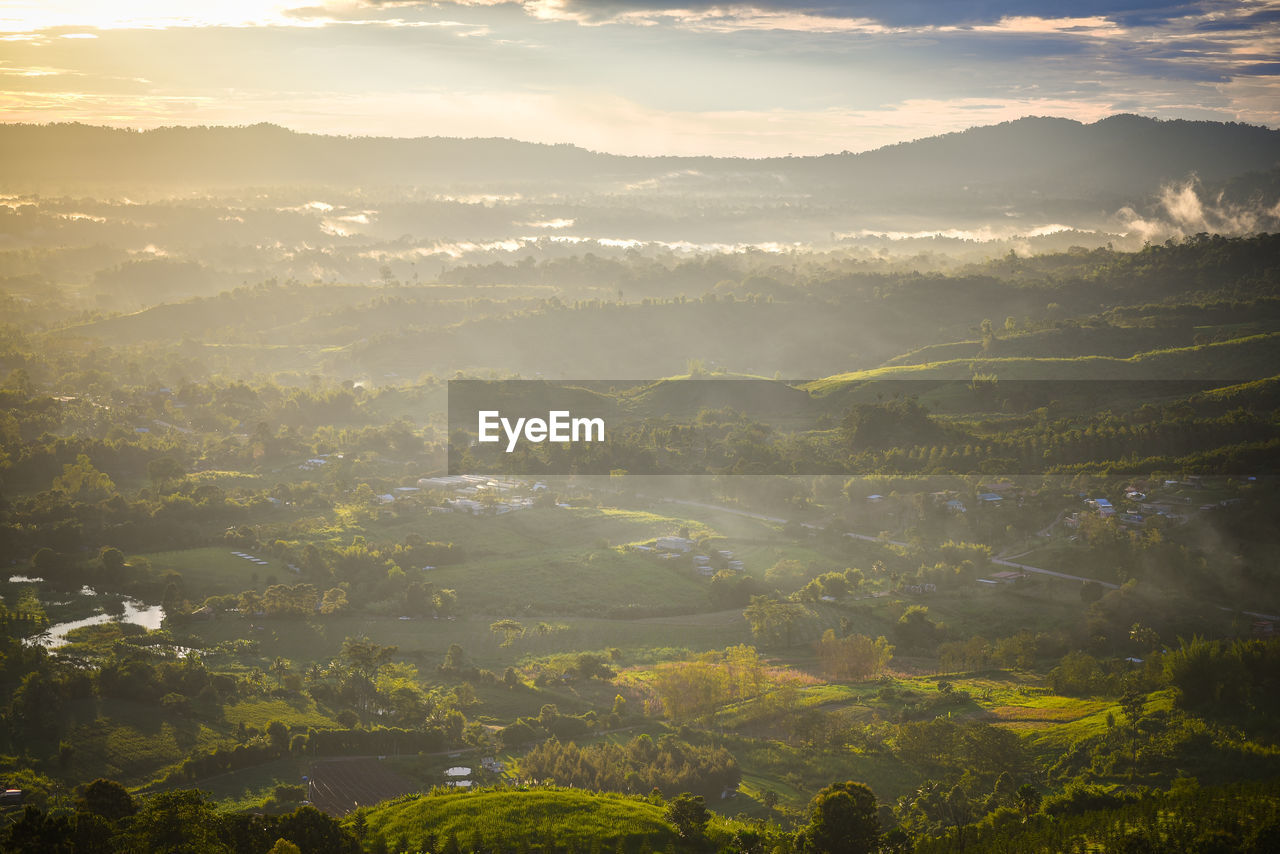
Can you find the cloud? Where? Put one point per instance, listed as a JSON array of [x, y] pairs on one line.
[[885, 14], [835, 15], [1183, 210], [747, 77]]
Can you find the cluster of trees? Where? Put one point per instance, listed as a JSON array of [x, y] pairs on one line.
[[1191, 820], [693, 689], [669, 764], [853, 658], [42, 688], [975, 746], [106, 819], [362, 682], [550, 722], [1226, 677], [282, 740]]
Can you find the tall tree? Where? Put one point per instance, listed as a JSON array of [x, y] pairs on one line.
[[843, 819]]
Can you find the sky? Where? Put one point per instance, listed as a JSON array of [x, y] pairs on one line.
[[751, 78]]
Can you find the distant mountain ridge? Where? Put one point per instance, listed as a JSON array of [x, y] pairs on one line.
[[1117, 156]]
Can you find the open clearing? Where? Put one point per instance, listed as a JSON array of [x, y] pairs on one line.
[[338, 786]]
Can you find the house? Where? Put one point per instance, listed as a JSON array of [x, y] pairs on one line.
[[466, 505], [955, 505], [674, 544], [1103, 506], [452, 481]]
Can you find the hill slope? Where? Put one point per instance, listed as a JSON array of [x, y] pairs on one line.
[[502, 819], [1123, 155]]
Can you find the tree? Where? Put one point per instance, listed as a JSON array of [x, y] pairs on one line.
[[915, 631], [445, 602], [334, 601], [843, 819], [509, 629], [770, 619], [853, 658], [1090, 592], [106, 798], [36, 706], [179, 822], [312, 830], [278, 732], [365, 660], [39, 833], [163, 470], [280, 667], [365, 657], [1027, 799], [112, 560], [1145, 637], [988, 334], [688, 815], [455, 659], [82, 482], [1133, 704], [284, 846]]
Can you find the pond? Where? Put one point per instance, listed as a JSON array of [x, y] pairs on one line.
[[147, 616], [128, 611]]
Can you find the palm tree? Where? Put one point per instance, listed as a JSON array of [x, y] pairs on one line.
[[1027, 799], [280, 667]]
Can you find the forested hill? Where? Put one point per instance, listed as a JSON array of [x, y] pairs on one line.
[[1120, 155]]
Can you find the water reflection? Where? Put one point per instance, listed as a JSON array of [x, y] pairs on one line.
[[130, 611]]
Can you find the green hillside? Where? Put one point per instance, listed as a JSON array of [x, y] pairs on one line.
[[1253, 357], [538, 817]]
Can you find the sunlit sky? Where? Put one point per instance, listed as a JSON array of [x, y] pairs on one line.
[[755, 78]]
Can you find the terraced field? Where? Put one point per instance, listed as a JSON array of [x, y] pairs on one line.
[[338, 786]]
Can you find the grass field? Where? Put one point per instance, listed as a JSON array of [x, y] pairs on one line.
[[338, 786], [247, 788], [1238, 358], [129, 742], [259, 711], [425, 641], [213, 570], [562, 817]]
